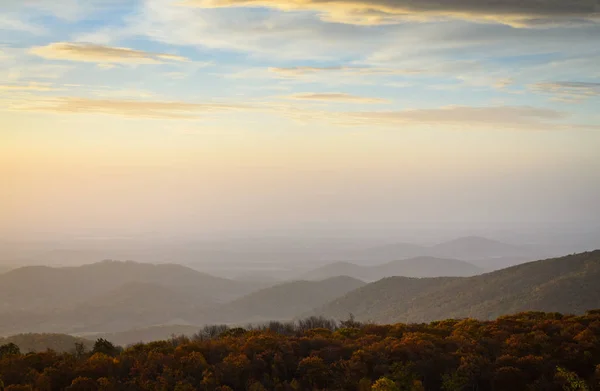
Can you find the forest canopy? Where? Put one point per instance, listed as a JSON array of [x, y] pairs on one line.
[[534, 350]]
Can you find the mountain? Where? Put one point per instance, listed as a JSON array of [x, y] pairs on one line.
[[42, 342], [485, 253], [109, 295], [41, 288], [281, 302], [477, 248], [412, 267], [130, 306], [390, 251], [567, 284]]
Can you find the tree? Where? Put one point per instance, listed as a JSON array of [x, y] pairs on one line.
[[82, 384], [384, 384], [313, 372], [256, 386], [350, 323], [105, 347], [10, 349], [79, 350], [570, 381]]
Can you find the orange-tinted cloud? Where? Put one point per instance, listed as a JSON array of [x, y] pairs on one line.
[[374, 12], [128, 108], [88, 52], [335, 97]]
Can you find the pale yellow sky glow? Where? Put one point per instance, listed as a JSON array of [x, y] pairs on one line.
[[150, 115]]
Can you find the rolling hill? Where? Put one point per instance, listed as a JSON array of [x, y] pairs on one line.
[[42, 342], [133, 305], [483, 252], [108, 296], [281, 302], [413, 267], [567, 284], [41, 288]]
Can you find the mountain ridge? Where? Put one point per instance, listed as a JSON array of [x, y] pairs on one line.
[[564, 284]]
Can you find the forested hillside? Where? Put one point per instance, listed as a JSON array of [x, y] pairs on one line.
[[567, 284], [108, 296], [281, 302], [527, 351]]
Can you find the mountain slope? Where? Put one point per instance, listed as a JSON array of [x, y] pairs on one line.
[[130, 306], [109, 296], [282, 301], [44, 289], [568, 284], [413, 267]]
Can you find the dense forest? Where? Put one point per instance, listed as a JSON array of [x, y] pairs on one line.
[[527, 351]]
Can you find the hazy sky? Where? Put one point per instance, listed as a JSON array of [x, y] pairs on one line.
[[207, 115]]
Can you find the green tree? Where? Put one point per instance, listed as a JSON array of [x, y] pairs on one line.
[[385, 384], [570, 381]]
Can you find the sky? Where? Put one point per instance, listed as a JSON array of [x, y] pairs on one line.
[[199, 116]]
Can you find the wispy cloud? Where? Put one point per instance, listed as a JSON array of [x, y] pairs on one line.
[[128, 108], [451, 117], [374, 12], [39, 87], [299, 71], [335, 97], [88, 52], [568, 91], [15, 23]]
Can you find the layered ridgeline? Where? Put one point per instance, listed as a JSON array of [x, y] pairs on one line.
[[568, 284], [114, 297], [412, 267], [109, 296], [282, 302], [482, 252]]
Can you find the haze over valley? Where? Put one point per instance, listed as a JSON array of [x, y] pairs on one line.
[[304, 195]]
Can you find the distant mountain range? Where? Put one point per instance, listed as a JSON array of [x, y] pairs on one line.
[[109, 298], [412, 267], [482, 252], [568, 284]]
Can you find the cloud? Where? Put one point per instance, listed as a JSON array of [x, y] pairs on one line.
[[39, 87], [568, 91], [375, 12], [14, 23], [299, 71], [462, 117], [89, 52], [128, 108], [335, 97]]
